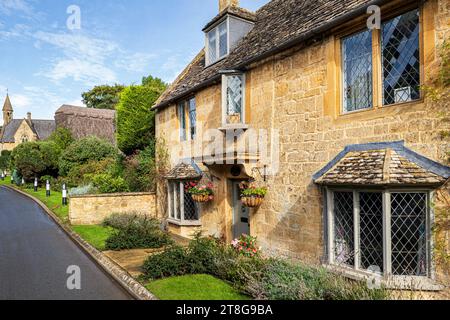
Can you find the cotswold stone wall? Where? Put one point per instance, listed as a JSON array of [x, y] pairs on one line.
[[296, 94], [93, 209]]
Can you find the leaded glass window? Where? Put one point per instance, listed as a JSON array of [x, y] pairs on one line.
[[223, 40], [217, 40], [343, 228], [371, 230], [357, 71], [212, 46], [361, 237], [401, 59], [182, 120], [409, 234], [182, 207], [192, 118]]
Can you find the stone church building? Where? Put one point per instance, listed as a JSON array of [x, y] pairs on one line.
[[82, 122], [16, 131]]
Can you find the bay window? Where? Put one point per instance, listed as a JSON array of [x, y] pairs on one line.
[[380, 231], [182, 208]]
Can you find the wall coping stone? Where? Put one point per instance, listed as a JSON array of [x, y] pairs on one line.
[[114, 195]]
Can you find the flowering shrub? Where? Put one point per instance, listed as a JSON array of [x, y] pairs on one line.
[[252, 191], [202, 190], [246, 246]]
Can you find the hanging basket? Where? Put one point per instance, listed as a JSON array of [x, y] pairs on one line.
[[252, 202], [201, 198]]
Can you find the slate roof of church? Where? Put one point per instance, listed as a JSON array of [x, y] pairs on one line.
[[42, 128]]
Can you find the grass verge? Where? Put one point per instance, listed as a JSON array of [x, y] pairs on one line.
[[194, 287], [94, 235]]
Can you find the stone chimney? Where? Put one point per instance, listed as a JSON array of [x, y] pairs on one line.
[[29, 116], [223, 4]]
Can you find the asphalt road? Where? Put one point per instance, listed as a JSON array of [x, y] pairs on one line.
[[35, 255]]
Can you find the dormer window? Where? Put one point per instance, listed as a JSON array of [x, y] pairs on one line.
[[223, 33], [217, 46], [233, 99]]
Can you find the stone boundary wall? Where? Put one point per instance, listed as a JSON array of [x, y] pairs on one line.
[[93, 209]]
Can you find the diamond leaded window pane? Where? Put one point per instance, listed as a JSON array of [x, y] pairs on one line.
[[409, 235], [234, 94], [344, 245], [401, 59], [193, 117], [223, 40], [357, 71], [212, 46], [190, 207], [371, 230]]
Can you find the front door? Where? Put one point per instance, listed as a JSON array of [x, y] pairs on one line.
[[241, 214]]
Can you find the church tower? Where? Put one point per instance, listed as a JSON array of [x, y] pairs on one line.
[[7, 111]]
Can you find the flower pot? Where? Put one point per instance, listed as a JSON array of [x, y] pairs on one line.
[[234, 118], [252, 202], [201, 198]]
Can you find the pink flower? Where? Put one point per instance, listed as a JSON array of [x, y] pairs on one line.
[[235, 242]]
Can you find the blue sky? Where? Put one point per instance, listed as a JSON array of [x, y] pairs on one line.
[[44, 64]]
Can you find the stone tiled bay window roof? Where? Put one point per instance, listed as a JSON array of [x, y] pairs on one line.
[[184, 171], [382, 164]]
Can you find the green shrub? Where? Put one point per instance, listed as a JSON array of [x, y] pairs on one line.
[[172, 262], [139, 170], [283, 280], [82, 174], [62, 137], [135, 120], [84, 151], [135, 231], [83, 190], [273, 279], [202, 254], [106, 183], [28, 161], [5, 158]]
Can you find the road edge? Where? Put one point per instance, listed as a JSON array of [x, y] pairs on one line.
[[123, 278]]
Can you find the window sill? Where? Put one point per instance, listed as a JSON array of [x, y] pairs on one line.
[[410, 283], [230, 127], [179, 223]]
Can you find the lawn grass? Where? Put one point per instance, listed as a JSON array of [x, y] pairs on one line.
[[95, 235], [194, 287], [54, 202]]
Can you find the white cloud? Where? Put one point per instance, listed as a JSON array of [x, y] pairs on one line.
[[20, 101], [9, 6], [90, 73], [136, 62]]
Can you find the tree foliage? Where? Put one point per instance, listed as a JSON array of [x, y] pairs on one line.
[[36, 159], [62, 137], [135, 120], [5, 157], [83, 151], [103, 97]]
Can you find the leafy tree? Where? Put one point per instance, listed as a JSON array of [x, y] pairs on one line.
[[5, 158], [62, 137], [154, 82], [83, 151], [135, 120], [50, 152], [27, 160], [103, 97]]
